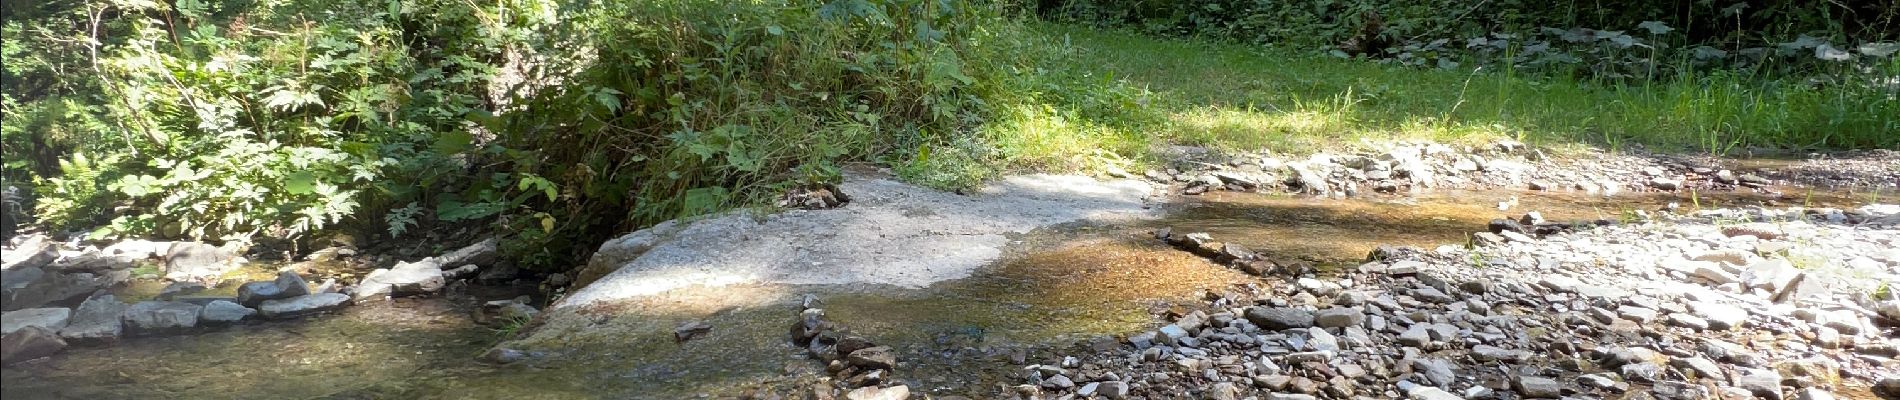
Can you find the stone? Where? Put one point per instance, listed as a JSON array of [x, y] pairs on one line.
[[1718, 315], [1339, 317], [1813, 394], [479, 253], [1639, 314], [899, 392], [97, 321], [33, 287], [1676, 390], [1763, 231], [1763, 383], [287, 285], [1665, 183], [29, 343], [1687, 321], [160, 317], [1701, 367], [1430, 393], [1111, 389], [1279, 318], [49, 318], [693, 329], [1493, 353], [92, 261], [194, 261], [878, 357], [462, 272], [303, 305], [1437, 370], [1432, 294], [1538, 387], [220, 312], [1641, 372], [1289, 396], [405, 279], [1223, 391]]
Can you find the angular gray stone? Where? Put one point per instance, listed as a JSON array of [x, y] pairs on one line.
[[1437, 370], [1280, 318], [1538, 387], [32, 287], [34, 252], [1813, 394], [156, 317], [224, 313], [1339, 317], [1764, 383], [287, 285], [1719, 316], [405, 279], [899, 392], [1701, 367], [194, 261], [1430, 393], [96, 321], [49, 318], [303, 305], [29, 343], [1493, 353]]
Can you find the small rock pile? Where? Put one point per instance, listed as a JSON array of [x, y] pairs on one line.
[[858, 367], [1722, 304], [1233, 255]]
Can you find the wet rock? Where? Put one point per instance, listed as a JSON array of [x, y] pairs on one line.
[[220, 313], [287, 285], [899, 392], [498, 274], [689, 330], [194, 261], [1538, 387], [49, 318], [97, 321], [1279, 318], [161, 317], [303, 305], [405, 279], [879, 357], [29, 343]]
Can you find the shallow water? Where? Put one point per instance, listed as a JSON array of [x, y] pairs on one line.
[[1055, 287]]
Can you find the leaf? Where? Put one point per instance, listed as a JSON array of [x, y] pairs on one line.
[[300, 182], [702, 200], [774, 30], [1655, 27], [453, 142], [1709, 53]]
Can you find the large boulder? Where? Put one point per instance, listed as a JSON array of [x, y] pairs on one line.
[[30, 343], [92, 261], [96, 321], [49, 318], [138, 249], [1281, 318], [287, 285], [158, 317], [303, 305], [34, 252], [406, 279], [194, 261], [32, 288]]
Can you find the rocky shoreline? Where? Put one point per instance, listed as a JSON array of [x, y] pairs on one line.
[[1771, 304]]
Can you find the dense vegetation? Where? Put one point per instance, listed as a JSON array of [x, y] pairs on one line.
[[560, 122]]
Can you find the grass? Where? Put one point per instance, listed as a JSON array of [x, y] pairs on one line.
[[1122, 93]]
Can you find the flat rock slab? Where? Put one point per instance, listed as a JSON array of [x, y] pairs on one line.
[[161, 316], [29, 343], [49, 318], [96, 321], [303, 305], [891, 233], [406, 279]]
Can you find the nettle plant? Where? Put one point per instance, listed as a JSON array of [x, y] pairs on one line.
[[1650, 51]]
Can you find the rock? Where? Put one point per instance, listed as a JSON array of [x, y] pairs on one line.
[[1223, 391], [1665, 184], [899, 392], [287, 285], [34, 252], [29, 343], [1339, 317], [1638, 314], [405, 279], [1675, 390], [1436, 370], [1430, 393], [1719, 316], [879, 357], [1813, 394], [1538, 387], [1687, 321], [498, 274], [1493, 353], [480, 253], [1280, 318], [1604, 381], [1290, 396], [304, 305], [1111, 389], [1432, 294], [503, 355], [1763, 383], [692, 329], [97, 321], [161, 317], [49, 318], [219, 313], [1540, 185], [92, 261], [1763, 231], [1641, 372], [194, 261], [1726, 177], [462, 272], [32, 287], [1701, 367], [137, 249]]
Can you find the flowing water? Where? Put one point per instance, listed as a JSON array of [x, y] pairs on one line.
[[1056, 287]]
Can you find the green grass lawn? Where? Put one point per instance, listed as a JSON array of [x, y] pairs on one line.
[[1123, 92]]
